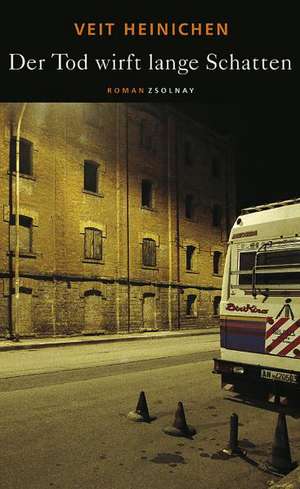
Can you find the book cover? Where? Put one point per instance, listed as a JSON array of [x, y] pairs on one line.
[[129, 145]]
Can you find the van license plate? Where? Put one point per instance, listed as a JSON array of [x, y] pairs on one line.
[[279, 376]]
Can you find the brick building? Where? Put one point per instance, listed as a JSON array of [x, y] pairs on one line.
[[124, 215]]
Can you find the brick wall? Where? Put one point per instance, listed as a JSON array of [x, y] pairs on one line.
[[68, 292]]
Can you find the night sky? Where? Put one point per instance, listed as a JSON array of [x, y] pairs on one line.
[[264, 136], [257, 109]]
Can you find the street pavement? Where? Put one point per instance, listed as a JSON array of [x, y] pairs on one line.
[[64, 422], [54, 341], [37, 361]]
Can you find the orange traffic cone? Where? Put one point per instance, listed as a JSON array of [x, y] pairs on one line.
[[281, 462], [141, 412], [180, 426]]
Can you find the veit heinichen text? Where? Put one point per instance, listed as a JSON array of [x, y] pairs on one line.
[[160, 29]]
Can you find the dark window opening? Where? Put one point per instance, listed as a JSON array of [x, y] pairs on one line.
[[216, 215], [247, 260], [142, 132], [146, 133], [281, 258], [216, 262], [149, 252], [187, 154], [146, 193], [26, 156], [25, 233], [93, 244], [190, 250], [91, 115], [266, 263], [91, 176], [278, 278], [216, 305], [189, 206], [191, 305], [215, 168], [92, 292]]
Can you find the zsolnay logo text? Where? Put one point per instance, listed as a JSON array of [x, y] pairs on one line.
[[247, 308]]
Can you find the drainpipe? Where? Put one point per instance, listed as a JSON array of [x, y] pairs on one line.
[[177, 240], [128, 224], [17, 224], [170, 319]]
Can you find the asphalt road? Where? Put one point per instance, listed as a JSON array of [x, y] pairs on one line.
[[63, 421]]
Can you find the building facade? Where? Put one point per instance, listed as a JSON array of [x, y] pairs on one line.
[[124, 213]]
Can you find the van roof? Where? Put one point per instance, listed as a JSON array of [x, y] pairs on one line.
[[272, 205]]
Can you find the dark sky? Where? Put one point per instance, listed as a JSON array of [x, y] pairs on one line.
[[265, 140]]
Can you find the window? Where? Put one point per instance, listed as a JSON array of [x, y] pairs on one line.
[[25, 233], [26, 156], [91, 114], [191, 305], [189, 206], [91, 170], [217, 262], [273, 267], [147, 193], [190, 252], [215, 168], [216, 215], [187, 154], [247, 260], [146, 132], [142, 132], [216, 305], [149, 252], [93, 248]]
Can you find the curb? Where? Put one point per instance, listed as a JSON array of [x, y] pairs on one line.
[[111, 339], [290, 481]]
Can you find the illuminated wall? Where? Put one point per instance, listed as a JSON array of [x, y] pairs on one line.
[[124, 208]]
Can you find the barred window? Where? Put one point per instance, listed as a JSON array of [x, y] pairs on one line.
[[93, 243], [149, 252], [26, 155], [217, 262]]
